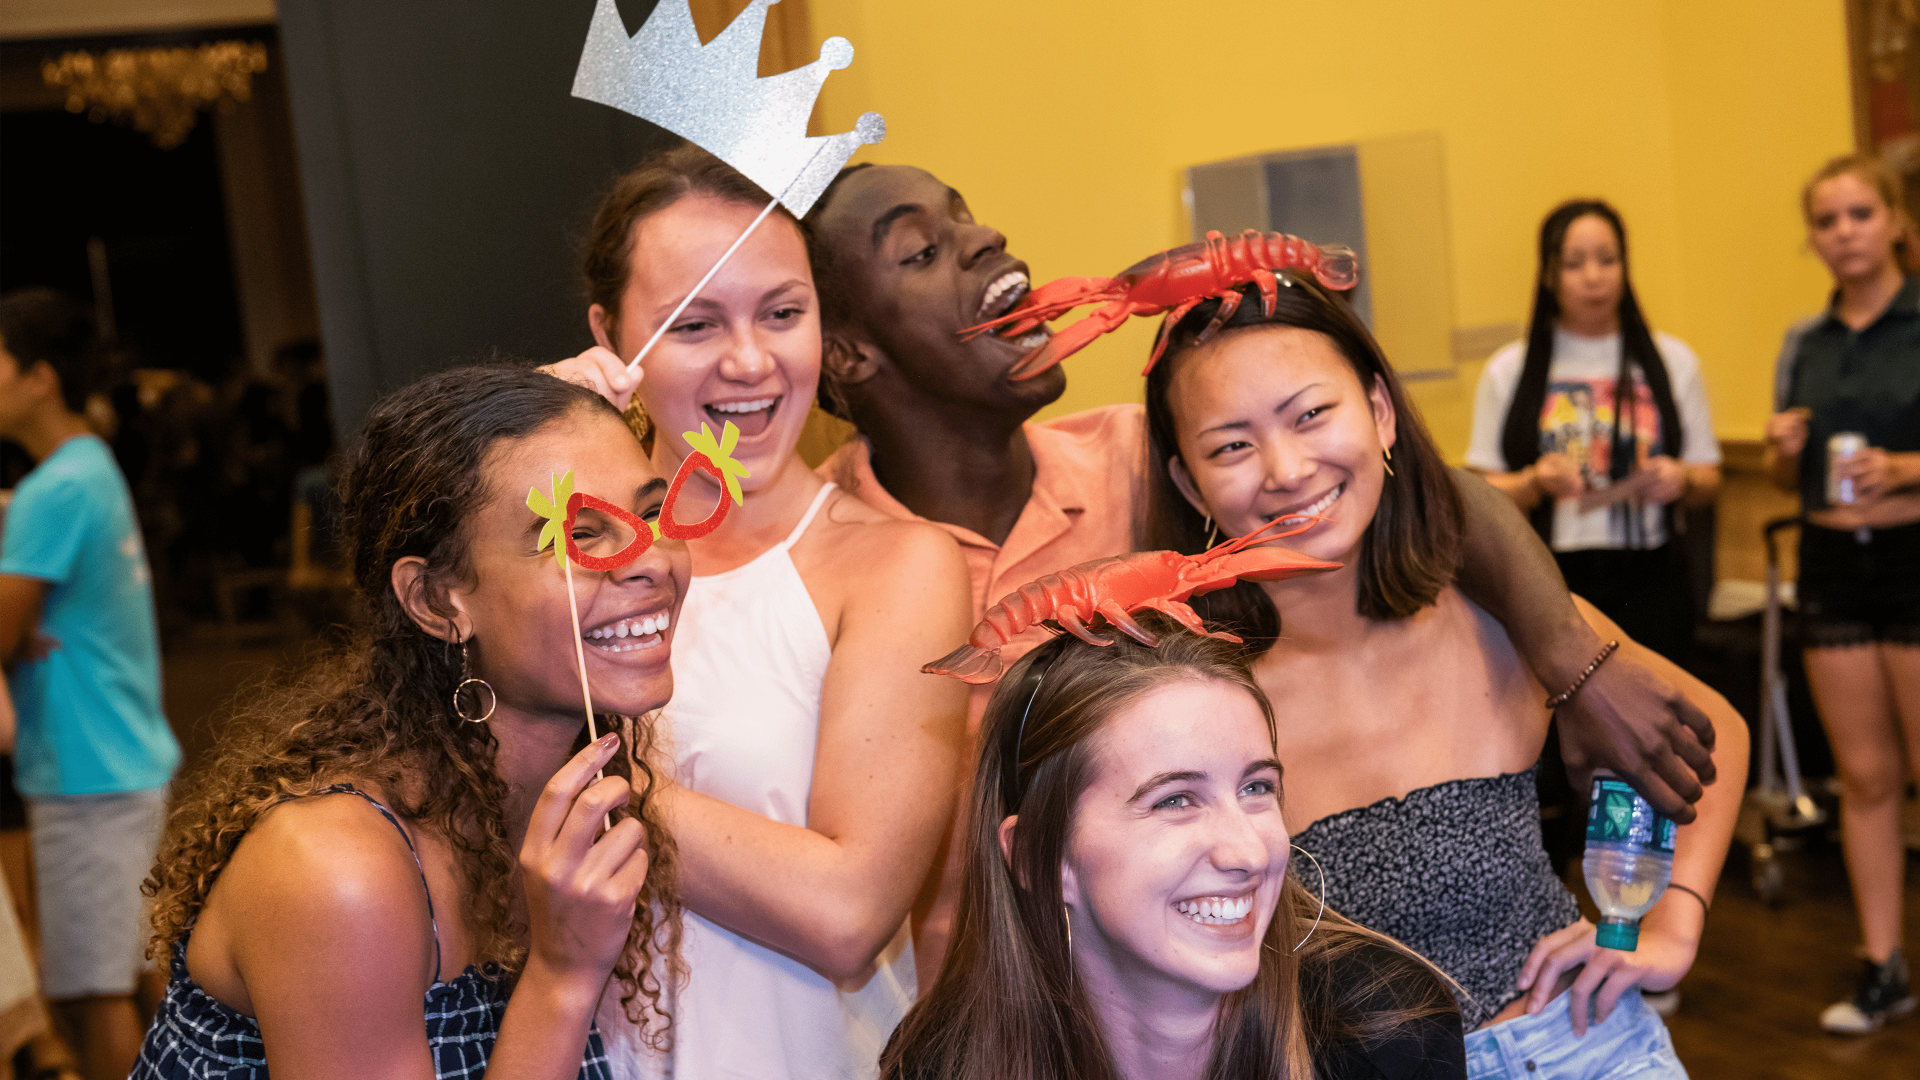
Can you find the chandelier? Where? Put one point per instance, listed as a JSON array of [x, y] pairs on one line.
[[158, 91]]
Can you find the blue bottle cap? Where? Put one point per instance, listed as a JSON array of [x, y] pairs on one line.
[[1618, 934]]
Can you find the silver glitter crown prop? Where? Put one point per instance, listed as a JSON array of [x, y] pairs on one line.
[[711, 95]]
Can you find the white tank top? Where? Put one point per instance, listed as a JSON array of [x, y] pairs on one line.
[[749, 656]]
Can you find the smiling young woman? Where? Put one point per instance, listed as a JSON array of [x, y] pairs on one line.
[[1433, 834], [1126, 910], [339, 892], [816, 765]]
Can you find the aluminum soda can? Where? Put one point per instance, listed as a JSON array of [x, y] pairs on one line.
[[1842, 446]]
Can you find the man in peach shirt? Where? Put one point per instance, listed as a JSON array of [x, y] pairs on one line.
[[946, 437], [1086, 483], [901, 268]]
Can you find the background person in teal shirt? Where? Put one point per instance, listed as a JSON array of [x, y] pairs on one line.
[[77, 635]]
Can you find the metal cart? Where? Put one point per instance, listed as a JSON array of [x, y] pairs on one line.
[[1779, 802]]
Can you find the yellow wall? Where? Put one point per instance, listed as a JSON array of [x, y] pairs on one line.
[[1067, 124]]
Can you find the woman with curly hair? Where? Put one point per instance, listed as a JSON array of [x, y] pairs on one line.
[[339, 891]]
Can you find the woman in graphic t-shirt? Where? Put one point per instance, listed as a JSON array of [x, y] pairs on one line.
[[1598, 478]]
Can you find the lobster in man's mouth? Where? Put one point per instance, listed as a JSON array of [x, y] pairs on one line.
[[1176, 281]]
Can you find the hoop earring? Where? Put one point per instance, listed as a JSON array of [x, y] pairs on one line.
[[467, 679], [1067, 914], [1323, 894], [1213, 532], [1387, 456]]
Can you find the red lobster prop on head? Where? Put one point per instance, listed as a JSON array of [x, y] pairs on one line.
[[1113, 588], [1176, 280]]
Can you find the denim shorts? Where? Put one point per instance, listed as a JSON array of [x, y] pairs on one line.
[[1632, 1042]]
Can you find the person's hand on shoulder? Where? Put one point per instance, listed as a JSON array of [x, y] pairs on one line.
[[600, 370]]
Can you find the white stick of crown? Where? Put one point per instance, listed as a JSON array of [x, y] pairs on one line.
[[712, 95]]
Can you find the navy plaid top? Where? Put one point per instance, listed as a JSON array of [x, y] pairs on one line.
[[194, 1037]]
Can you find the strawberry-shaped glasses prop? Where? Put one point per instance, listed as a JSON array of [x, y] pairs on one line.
[[715, 458], [601, 536]]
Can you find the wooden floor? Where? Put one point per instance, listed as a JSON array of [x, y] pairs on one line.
[[1750, 1006]]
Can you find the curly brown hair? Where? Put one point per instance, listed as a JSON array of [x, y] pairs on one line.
[[377, 712]]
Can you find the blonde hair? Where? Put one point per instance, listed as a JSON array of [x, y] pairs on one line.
[[1872, 171]]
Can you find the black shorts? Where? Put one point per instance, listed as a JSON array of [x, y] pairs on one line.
[[1852, 593]]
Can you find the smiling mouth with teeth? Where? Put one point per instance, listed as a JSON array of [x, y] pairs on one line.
[[1006, 291], [1216, 910], [1319, 507], [751, 417], [629, 635]]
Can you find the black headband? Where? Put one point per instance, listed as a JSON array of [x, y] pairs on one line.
[[1010, 790]]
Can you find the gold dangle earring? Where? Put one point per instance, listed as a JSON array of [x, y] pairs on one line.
[[1387, 456], [1213, 532], [467, 679]]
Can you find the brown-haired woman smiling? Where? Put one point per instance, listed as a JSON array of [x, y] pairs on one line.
[[815, 762], [1126, 910], [1409, 726]]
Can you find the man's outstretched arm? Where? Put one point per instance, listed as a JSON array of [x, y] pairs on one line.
[[1626, 717]]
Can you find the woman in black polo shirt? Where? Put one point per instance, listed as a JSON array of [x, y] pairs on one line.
[[1855, 368]]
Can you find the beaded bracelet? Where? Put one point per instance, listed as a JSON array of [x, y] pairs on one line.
[[1566, 695]]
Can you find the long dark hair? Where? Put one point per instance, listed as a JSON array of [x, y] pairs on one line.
[[1006, 1007], [1411, 549], [377, 711], [1520, 439]]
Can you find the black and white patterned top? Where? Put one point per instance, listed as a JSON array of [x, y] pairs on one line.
[[196, 1037], [1457, 872]]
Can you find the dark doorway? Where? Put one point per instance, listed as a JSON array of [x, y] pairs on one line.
[[155, 216]]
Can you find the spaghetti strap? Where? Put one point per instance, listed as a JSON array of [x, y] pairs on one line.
[[806, 519], [432, 925]]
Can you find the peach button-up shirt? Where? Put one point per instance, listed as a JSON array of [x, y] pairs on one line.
[[1087, 493]]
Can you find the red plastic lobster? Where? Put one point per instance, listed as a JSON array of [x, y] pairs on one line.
[[1114, 587], [1178, 280]]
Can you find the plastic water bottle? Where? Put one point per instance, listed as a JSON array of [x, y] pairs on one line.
[[1629, 859]]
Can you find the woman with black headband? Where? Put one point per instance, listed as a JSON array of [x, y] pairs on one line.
[[1597, 478], [1126, 909]]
